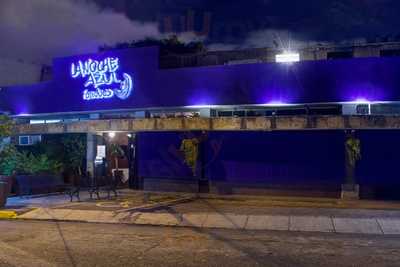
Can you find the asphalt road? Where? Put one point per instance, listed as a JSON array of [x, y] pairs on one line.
[[30, 243]]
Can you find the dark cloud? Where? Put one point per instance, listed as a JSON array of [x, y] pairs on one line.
[[244, 23], [38, 30], [41, 29]]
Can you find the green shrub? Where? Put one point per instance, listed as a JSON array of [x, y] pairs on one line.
[[11, 160]]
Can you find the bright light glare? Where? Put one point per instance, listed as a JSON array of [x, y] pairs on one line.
[[361, 101], [111, 134], [200, 106], [53, 121], [287, 58], [37, 122], [277, 104]]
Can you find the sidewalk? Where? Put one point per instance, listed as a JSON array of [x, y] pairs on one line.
[[211, 211], [377, 225]]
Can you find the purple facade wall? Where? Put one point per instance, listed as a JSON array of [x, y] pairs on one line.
[[307, 160], [297, 160], [374, 79]]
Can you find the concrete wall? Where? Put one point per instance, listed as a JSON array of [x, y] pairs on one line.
[[215, 124]]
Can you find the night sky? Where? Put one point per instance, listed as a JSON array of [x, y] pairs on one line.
[[38, 30], [324, 20]]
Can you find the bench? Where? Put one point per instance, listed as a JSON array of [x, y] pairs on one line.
[[94, 186]]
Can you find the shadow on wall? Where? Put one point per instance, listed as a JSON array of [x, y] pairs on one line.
[[309, 163], [378, 172], [236, 160]]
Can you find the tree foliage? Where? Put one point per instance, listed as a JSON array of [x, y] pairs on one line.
[[167, 46], [74, 153]]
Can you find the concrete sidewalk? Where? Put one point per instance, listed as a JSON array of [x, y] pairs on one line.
[[210, 211], [377, 225]]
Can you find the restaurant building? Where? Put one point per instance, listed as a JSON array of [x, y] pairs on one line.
[[252, 128]]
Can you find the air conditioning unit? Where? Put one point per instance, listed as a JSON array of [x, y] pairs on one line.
[[356, 109], [363, 109], [29, 140]]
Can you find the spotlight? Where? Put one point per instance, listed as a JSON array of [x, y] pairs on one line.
[[287, 57]]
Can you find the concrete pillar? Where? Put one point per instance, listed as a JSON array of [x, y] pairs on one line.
[[91, 146]]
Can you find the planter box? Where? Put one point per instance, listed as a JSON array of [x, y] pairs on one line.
[[330, 190], [3, 194], [9, 183], [350, 192], [39, 184]]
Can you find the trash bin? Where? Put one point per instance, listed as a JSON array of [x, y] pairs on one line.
[[3, 194]]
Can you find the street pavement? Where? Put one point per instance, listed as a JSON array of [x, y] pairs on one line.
[[174, 230], [44, 243]]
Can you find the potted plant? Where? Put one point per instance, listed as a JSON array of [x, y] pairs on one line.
[[116, 152]]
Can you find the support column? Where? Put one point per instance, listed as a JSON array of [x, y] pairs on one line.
[[91, 146]]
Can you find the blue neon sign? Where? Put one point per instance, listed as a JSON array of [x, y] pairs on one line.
[[102, 79]]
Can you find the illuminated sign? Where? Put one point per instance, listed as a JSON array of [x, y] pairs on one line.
[[102, 79]]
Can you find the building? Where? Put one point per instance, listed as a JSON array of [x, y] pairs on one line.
[[173, 17], [262, 127]]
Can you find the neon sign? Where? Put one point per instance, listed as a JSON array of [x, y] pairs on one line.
[[102, 79]]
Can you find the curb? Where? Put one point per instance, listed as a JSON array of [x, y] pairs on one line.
[[8, 214], [319, 224], [199, 227]]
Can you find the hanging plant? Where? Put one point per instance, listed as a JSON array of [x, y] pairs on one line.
[[190, 150], [353, 150]]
